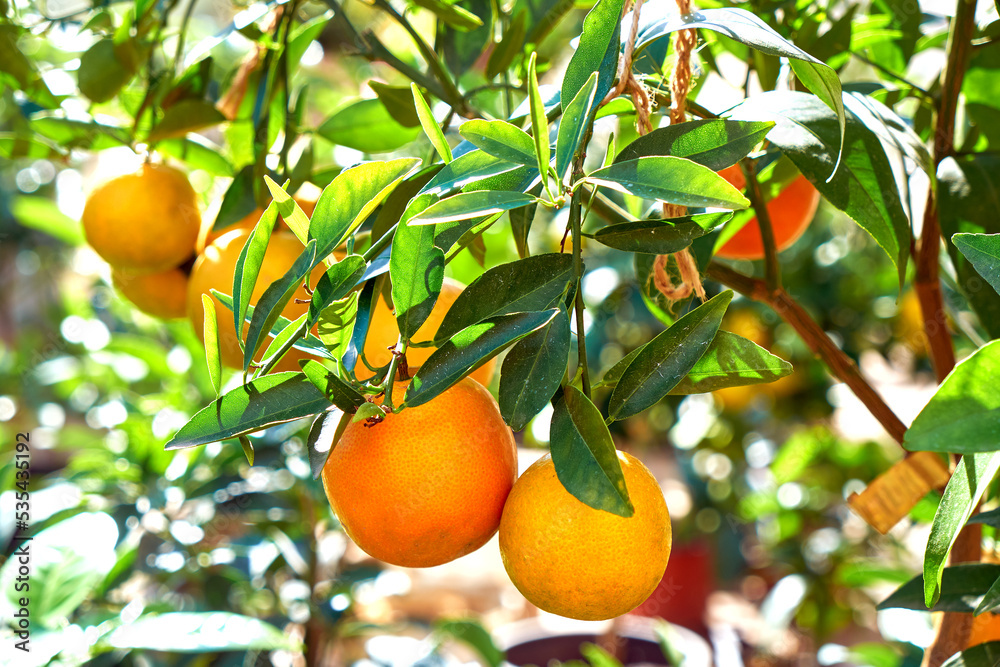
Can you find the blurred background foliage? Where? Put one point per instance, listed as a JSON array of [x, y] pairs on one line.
[[150, 557]]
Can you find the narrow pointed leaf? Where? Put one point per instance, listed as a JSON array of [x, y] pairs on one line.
[[982, 655], [273, 301], [467, 205], [968, 483], [666, 359], [863, 186], [452, 13], [962, 588], [351, 197], [211, 337], [732, 361], [526, 285], [282, 343], [670, 179], [336, 325], [533, 370], [983, 251], [597, 51], [323, 436], [539, 121], [511, 45], [991, 600], [336, 390], [715, 143], [338, 280], [289, 210], [465, 169], [430, 125], [366, 302], [573, 126], [584, 455], [248, 264], [247, 448], [468, 350], [659, 237], [416, 268], [265, 401], [500, 139], [963, 416], [308, 343]]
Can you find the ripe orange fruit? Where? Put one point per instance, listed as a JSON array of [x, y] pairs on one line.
[[162, 295], [573, 560], [791, 212], [428, 484], [145, 222], [985, 628], [384, 332], [214, 270], [206, 236]]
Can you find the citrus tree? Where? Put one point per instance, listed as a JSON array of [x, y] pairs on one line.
[[486, 129]]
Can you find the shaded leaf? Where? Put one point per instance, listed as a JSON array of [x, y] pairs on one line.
[[574, 126], [962, 588], [262, 402], [473, 634], [983, 251], [732, 361], [584, 455], [533, 370], [452, 14], [670, 179], [983, 655], [416, 267], [666, 359], [468, 350], [659, 237], [333, 285], [211, 338], [716, 143], [185, 116], [336, 390], [323, 435]]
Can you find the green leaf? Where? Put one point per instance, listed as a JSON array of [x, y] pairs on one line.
[[666, 359], [42, 214], [200, 632], [333, 285], [659, 237], [473, 634], [416, 268], [14, 145], [983, 655], [991, 518], [527, 285], [966, 487], [467, 205], [79, 133], [465, 169], [336, 390], [961, 588], [584, 455], [597, 52], [539, 121], [239, 201], [262, 402], [511, 45], [211, 337], [574, 126], [468, 350], [716, 143], [991, 600], [304, 34], [290, 211], [745, 27], [732, 361], [670, 179], [247, 447], [430, 125], [323, 435], [863, 186], [963, 416], [248, 264], [455, 16], [273, 301], [533, 370], [983, 251], [890, 128], [366, 126], [198, 153], [280, 344], [336, 324], [398, 101], [18, 66], [103, 71], [185, 116], [351, 197], [500, 139], [308, 343], [597, 656], [968, 189]]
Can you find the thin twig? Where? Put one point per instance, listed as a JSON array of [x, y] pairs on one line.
[[772, 269]]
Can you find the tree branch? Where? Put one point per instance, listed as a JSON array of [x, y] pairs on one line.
[[842, 366], [772, 270]]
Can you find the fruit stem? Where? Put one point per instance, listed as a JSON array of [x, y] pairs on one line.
[[581, 335], [398, 357], [772, 270]]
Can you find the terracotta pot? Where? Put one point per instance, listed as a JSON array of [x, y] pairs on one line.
[[682, 595]]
